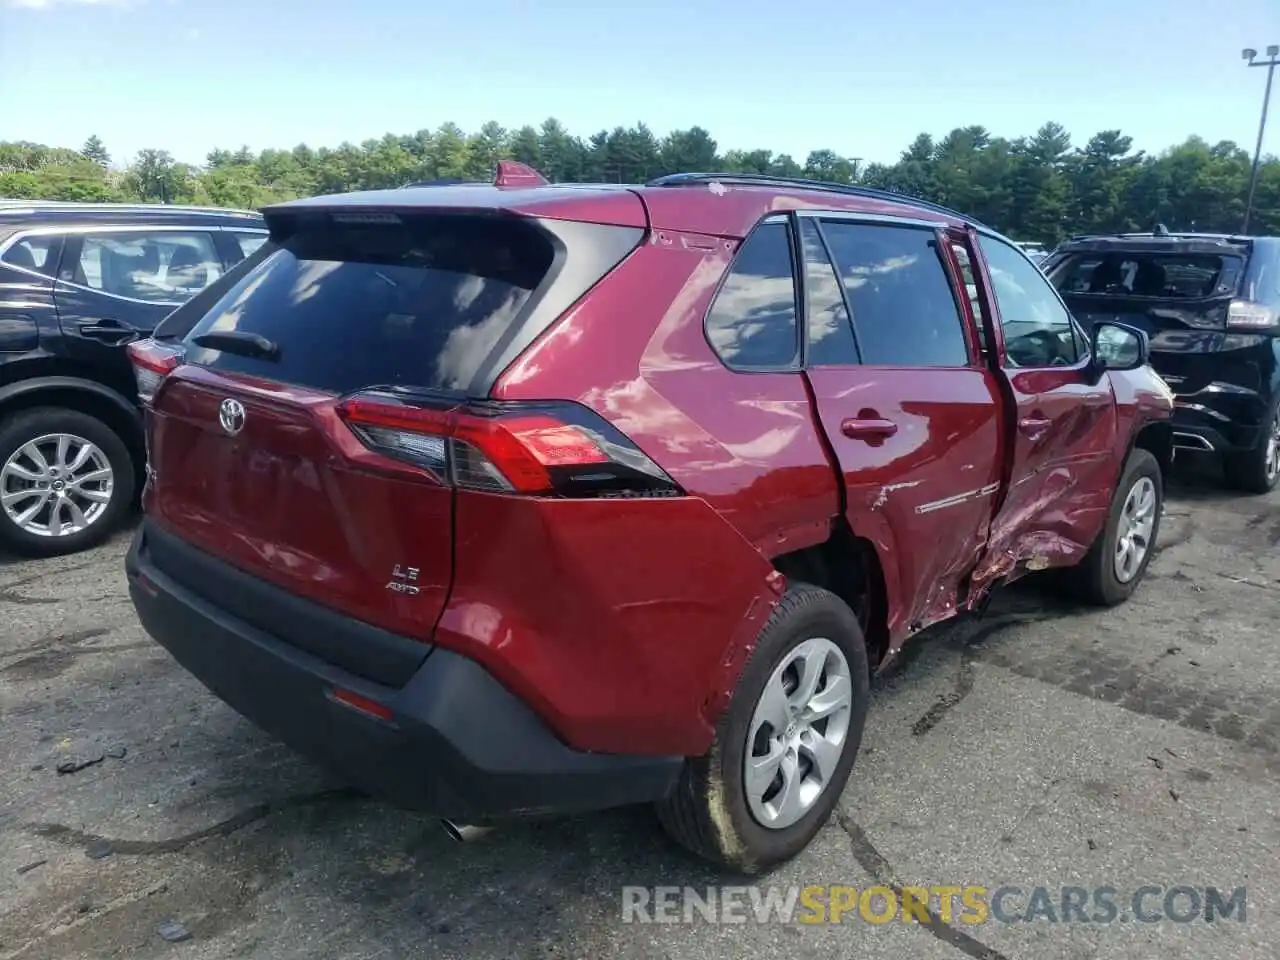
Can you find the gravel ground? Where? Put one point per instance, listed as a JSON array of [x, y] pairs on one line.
[[1041, 746]]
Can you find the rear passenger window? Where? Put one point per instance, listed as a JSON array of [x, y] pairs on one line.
[[830, 334], [33, 253], [904, 312], [160, 267], [753, 320], [250, 242]]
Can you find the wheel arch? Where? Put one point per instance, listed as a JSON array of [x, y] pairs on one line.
[[852, 567], [85, 396], [1156, 437]]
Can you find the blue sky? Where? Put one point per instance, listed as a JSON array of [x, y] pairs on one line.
[[861, 78]]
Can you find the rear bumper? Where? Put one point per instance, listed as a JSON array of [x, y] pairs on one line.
[[1204, 428], [457, 744]]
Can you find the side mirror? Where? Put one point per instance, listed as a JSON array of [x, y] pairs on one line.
[[1117, 346]]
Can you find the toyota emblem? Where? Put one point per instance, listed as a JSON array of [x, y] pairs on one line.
[[231, 416]]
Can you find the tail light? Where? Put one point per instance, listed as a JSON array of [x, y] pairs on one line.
[[152, 361], [1248, 315], [548, 449]]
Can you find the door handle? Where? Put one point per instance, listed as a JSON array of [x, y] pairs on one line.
[[856, 429], [108, 331], [1034, 427]]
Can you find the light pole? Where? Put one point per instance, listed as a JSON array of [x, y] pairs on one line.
[[1251, 58]]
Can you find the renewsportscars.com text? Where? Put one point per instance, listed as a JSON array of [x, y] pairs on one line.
[[968, 904]]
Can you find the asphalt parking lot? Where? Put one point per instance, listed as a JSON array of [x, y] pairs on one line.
[[1042, 746]]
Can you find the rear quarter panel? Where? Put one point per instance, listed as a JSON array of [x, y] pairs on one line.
[[635, 351]]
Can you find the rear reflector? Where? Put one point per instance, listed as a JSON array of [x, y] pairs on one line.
[[356, 702], [559, 449], [152, 361]]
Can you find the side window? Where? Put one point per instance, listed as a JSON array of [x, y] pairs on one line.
[[830, 334], [1037, 328], [904, 312], [160, 267], [38, 253], [971, 291], [249, 242], [753, 320]]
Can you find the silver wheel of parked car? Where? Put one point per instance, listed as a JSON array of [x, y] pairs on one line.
[[56, 485], [1137, 521], [1273, 449], [797, 733]]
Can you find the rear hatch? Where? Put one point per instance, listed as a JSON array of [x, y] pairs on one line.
[[1179, 292], [277, 444]]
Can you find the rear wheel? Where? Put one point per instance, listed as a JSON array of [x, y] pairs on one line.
[[1115, 565], [784, 748], [1258, 469], [66, 479]]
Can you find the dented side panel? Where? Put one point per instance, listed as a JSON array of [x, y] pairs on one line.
[[1066, 457], [925, 494]]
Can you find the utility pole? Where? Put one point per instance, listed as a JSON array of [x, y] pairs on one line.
[[1251, 58]]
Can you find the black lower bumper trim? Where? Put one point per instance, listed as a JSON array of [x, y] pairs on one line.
[[1192, 435], [458, 744]]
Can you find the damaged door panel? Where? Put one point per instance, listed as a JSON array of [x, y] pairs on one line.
[[1063, 426], [912, 417]]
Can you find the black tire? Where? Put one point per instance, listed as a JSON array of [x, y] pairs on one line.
[[1094, 579], [1255, 470], [28, 425], [709, 813]]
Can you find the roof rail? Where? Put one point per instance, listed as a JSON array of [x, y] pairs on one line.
[[78, 205], [849, 189]]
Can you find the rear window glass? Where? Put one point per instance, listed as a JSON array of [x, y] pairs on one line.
[[416, 302], [1173, 276]]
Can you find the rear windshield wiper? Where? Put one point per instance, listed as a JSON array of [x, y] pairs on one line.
[[241, 342]]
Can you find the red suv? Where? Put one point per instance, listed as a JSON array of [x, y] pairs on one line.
[[511, 499]]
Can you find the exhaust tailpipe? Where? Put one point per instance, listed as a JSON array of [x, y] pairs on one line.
[[463, 832]]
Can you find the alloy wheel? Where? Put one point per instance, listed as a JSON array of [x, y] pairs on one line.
[[797, 733], [1137, 522], [56, 485], [1273, 449]]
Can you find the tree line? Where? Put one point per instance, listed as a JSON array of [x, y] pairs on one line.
[[1040, 187]]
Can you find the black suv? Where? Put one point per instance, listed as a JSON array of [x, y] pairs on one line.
[[77, 283], [1211, 305]]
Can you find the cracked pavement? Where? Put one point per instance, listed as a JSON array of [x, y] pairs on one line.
[[1042, 746]]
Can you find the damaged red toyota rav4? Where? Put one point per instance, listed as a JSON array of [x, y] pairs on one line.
[[516, 499]]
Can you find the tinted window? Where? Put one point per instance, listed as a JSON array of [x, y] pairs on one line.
[[249, 242], [830, 333], [753, 320], [162, 267], [1172, 276], [33, 253], [1037, 327], [903, 309], [419, 302]]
